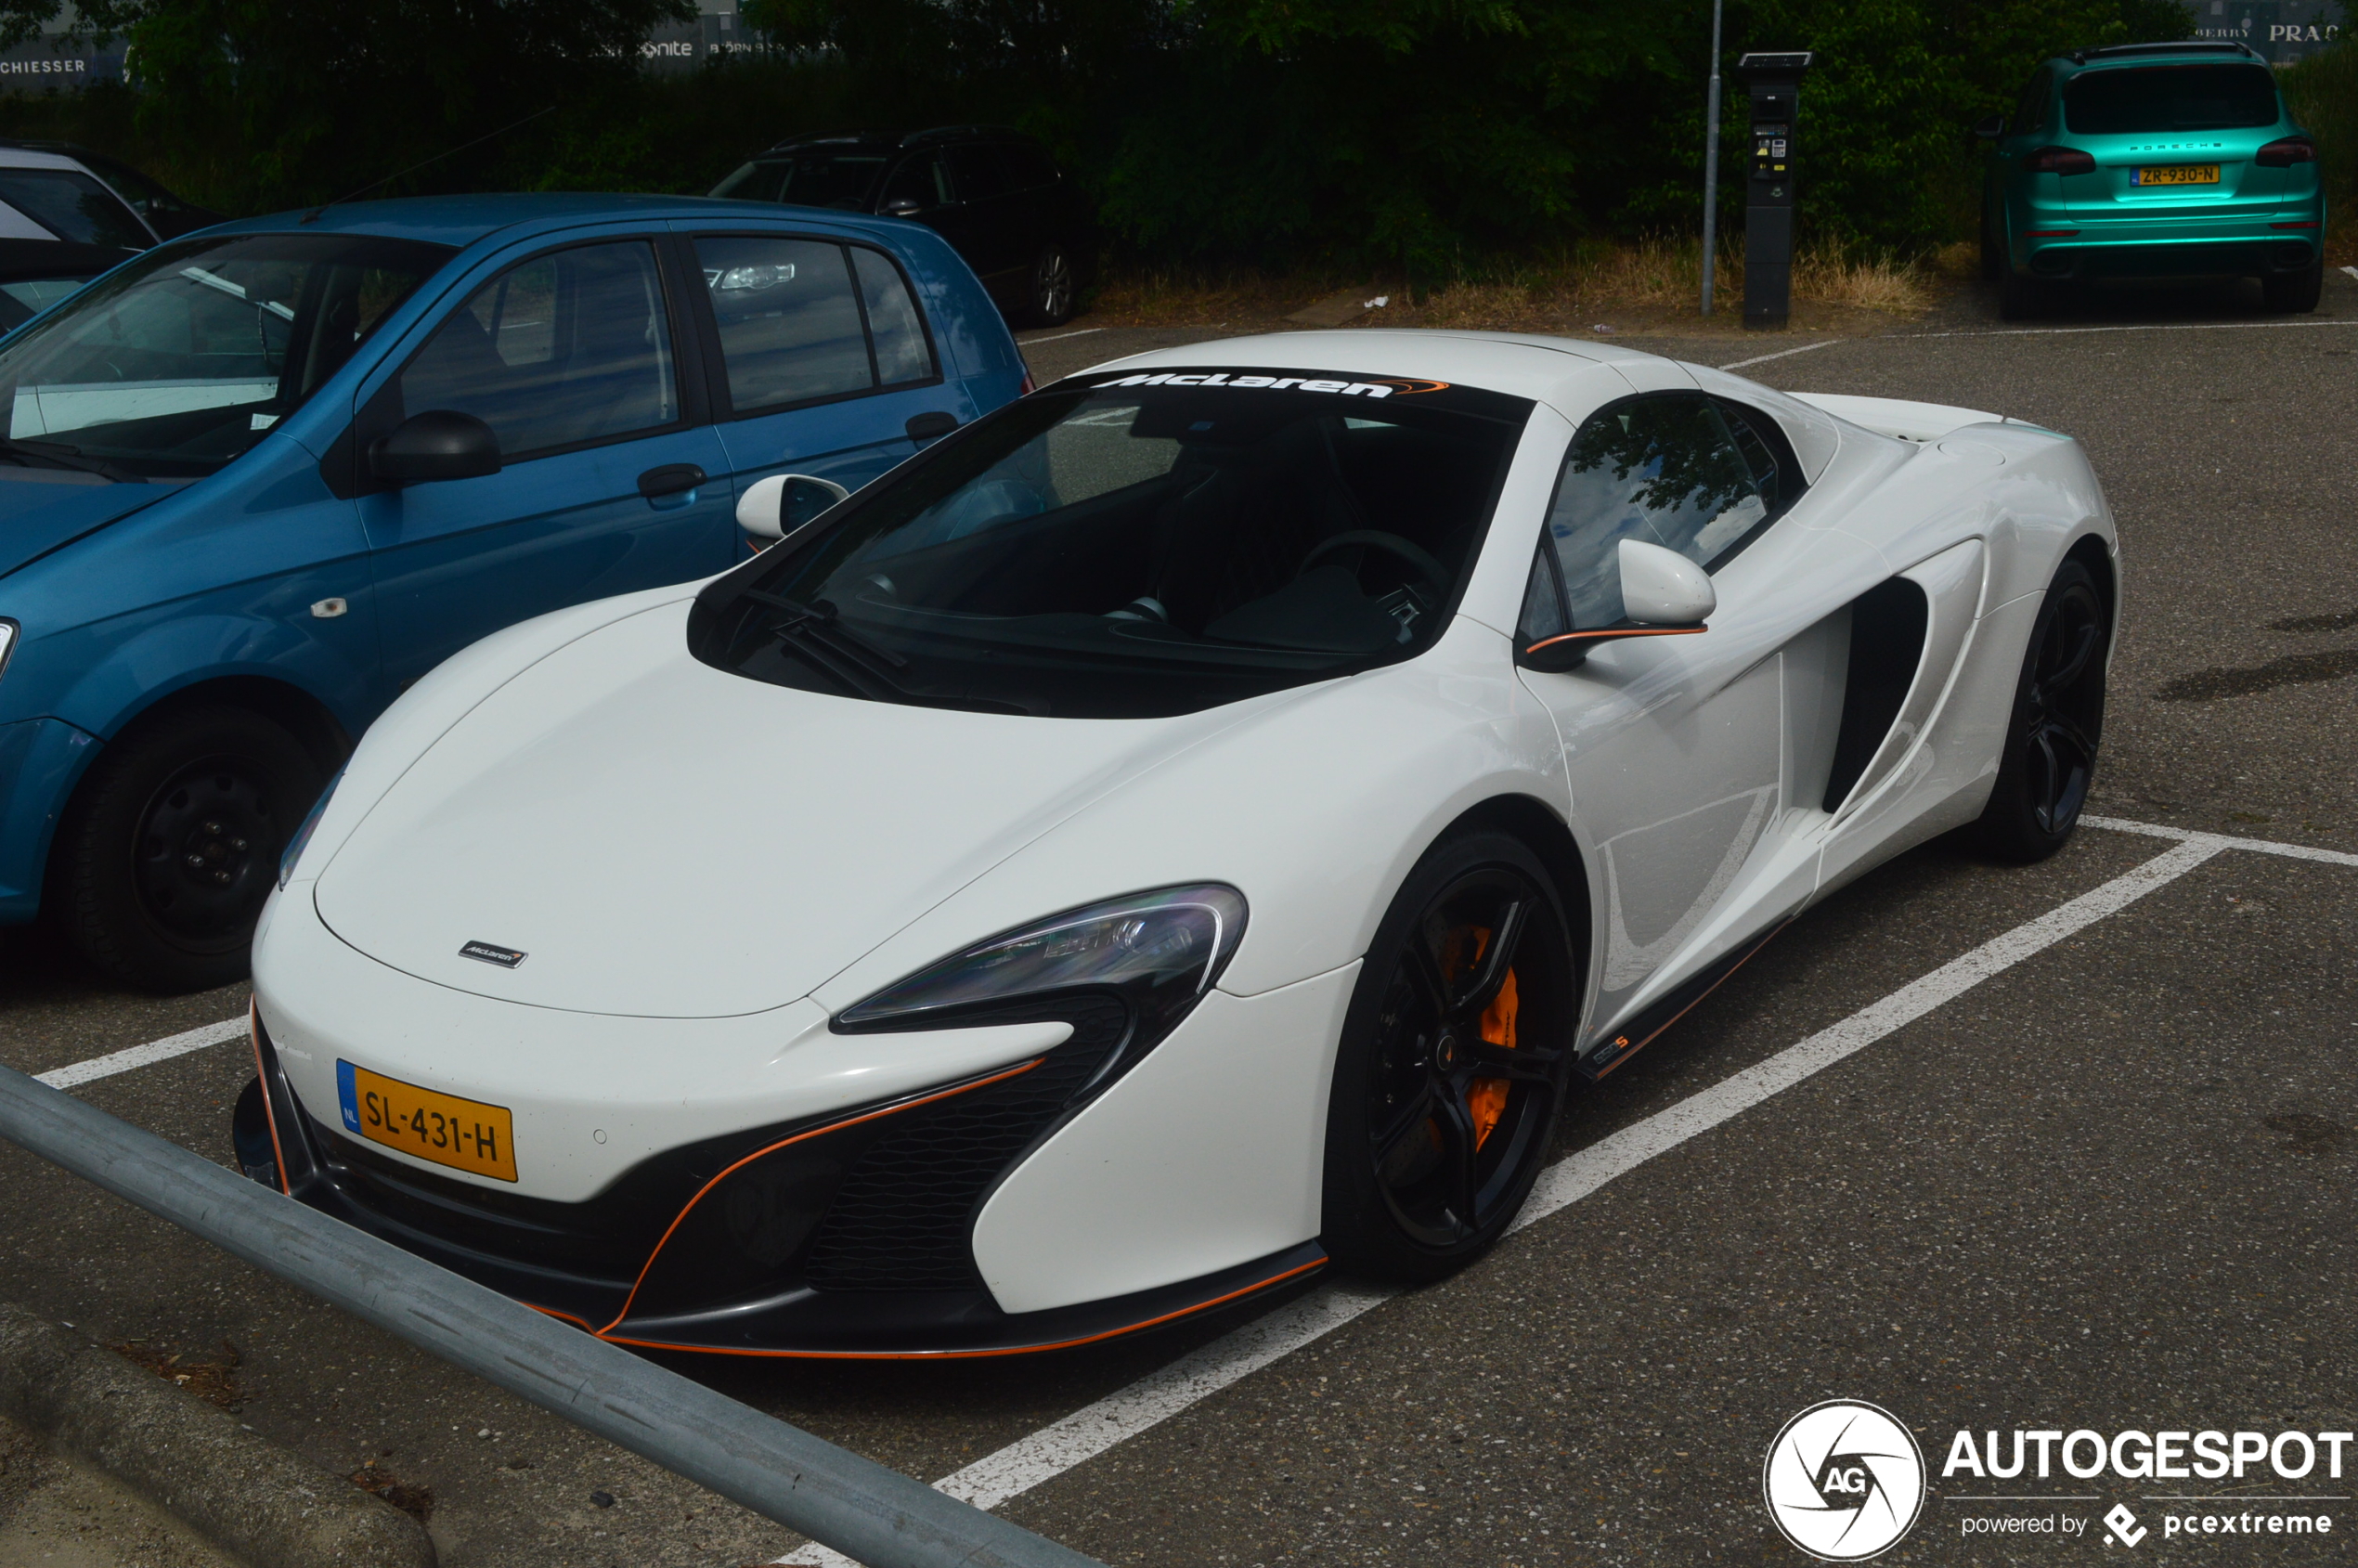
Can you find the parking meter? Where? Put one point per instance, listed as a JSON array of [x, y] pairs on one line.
[[1774, 81]]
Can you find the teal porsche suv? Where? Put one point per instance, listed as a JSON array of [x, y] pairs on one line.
[[2151, 161]]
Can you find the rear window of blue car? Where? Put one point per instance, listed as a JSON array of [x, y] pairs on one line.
[[2169, 98]]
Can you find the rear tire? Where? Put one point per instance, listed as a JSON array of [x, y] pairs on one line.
[[2049, 756], [2295, 293], [1430, 1146], [1993, 255], [1055, 290], [173, 842]]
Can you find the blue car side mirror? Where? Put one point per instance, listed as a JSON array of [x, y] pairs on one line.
[[437, 444]]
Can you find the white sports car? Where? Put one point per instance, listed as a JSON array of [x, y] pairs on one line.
[[1203, 821]]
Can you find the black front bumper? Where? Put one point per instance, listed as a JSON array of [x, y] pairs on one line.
[[844, 1237]]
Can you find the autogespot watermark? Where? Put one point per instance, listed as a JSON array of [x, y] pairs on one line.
[[2240, 1458], [1845, 1480]]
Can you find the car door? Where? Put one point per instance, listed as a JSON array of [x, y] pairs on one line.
[[611, 476], [822, 356], [1675, 746], [918, 189], [992, 214]]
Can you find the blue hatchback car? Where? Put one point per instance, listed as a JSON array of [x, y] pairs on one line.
[[259, 480]]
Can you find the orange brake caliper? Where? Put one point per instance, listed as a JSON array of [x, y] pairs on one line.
[[1486, 1097]]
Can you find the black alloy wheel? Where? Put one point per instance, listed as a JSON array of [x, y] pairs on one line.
[[1055, 288], [1452, 1064], [172, 843], [2051, 746]]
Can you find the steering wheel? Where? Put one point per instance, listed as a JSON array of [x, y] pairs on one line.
[[1425, 566]]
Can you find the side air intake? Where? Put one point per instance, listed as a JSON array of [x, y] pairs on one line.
[[1888, 626]]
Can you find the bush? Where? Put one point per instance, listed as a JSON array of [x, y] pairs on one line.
[[2322, 94], [1434, 137]]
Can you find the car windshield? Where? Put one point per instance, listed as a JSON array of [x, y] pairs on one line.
[[74, 206], [814, 178], [177, 363], [2169, 98], [1147, 544]]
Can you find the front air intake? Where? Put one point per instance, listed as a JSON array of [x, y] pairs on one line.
[[901, 1219]]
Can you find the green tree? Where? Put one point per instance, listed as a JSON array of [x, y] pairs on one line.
[[296, 103]]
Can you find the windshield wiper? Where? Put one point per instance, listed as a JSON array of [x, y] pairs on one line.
[[820, 620], [815, 634], [57, 452]]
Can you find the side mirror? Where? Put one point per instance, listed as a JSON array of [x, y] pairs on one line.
[[1989, 127], [901, 206], [772, 508], [438, 444], [1661, 588], [1663, 595]]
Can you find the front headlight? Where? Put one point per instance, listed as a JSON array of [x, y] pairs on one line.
[[1157, 952], [288, 861], [7, 644]]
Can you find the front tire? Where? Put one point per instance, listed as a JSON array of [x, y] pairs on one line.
[[1454, 1062], [2049, 756], [173, 842], [2295, 293]]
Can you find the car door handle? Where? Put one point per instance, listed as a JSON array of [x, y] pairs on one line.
[[933, 422], [670, 479]]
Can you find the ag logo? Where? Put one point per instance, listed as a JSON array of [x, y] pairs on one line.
[[1844, 1480]]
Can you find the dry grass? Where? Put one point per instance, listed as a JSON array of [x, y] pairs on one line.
[[1654, 281], [1185, 299], [1658, 275]]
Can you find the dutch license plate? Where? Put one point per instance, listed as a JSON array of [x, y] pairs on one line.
[[2179, 173], [464, 1134]]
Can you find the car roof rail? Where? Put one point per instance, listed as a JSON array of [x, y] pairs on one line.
[[957, 132], [2121, 51], [833, 138]]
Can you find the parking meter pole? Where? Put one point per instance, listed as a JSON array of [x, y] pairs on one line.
[[878, 1516], [1774, 83], [1711, 166]]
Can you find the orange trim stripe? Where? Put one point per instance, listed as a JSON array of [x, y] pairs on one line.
[[1692, 1006], [580, 1323], [798, 1137], [253, 1034], [1602, 636], [970, 1355]]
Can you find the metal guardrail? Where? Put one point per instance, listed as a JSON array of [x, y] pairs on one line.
[[861, 1508]]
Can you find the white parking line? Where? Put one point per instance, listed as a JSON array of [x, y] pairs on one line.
[[2144, 327], [2257, 846], [1027, 342], [1780, 353], [1090, 1431], [155, 1051]]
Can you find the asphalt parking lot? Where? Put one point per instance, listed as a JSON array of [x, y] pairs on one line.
[[2087, 1168]]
